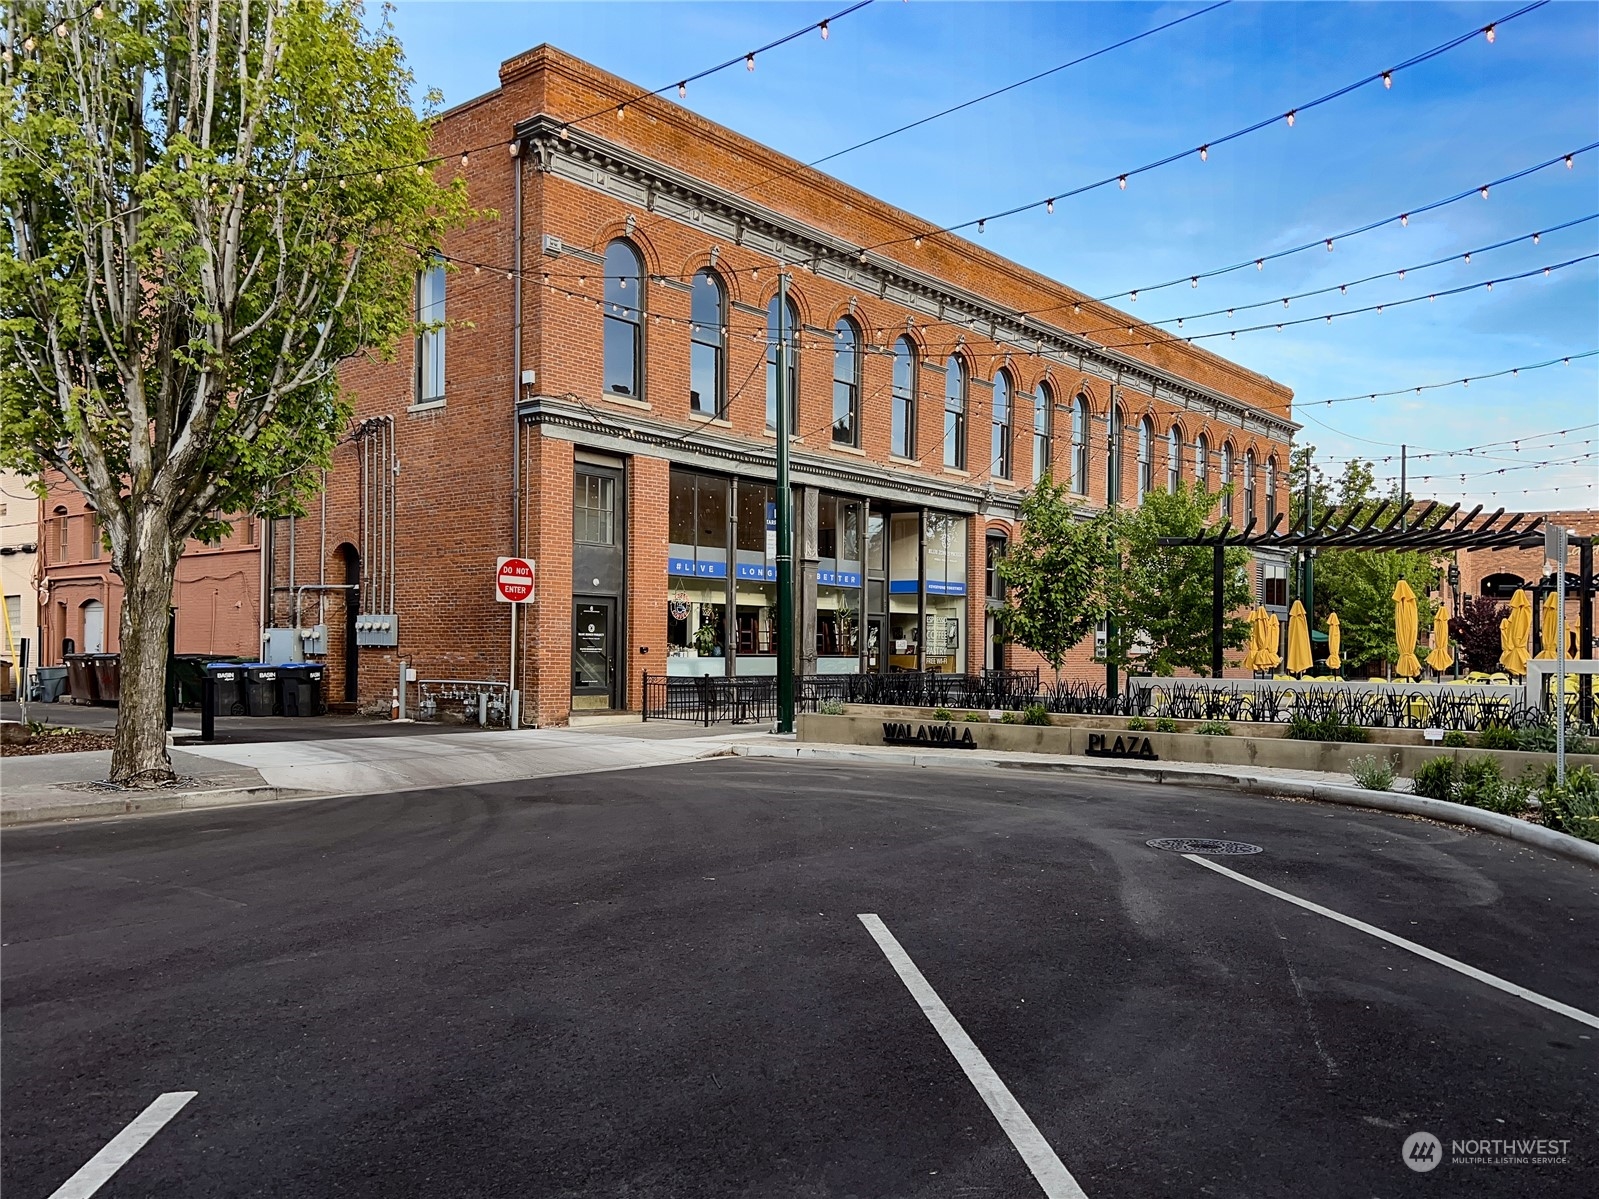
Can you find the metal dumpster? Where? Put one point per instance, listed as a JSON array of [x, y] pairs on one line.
[[262, 696], [108, 676], [228, 681], [80, 678], [301, 687], [49, 683]]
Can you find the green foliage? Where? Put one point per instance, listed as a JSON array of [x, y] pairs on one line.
[[830, 707], [1435, 779], [1011, 718], [1541, 738], [1326, 728], [1455, 739], [1137, 725], [1054, 575], [1036, 714], [1574, 807], [1165, 725], [1214, 728], [1373, 773], [1160, 597], [1497, 736], [943, 714], [975, 718]]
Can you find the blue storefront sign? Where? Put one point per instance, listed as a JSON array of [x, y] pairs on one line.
[[934, 587], [697, 570]]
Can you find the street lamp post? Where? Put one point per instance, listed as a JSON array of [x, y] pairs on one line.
[[785, 525]]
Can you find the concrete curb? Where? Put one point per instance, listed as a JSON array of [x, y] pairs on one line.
[[1356, 797], [152, 801]]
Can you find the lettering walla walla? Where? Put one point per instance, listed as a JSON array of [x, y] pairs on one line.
[[898, 732]]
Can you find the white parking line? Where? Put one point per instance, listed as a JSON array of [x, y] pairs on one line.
[[1023, 1133], [99, 1168], [1432, 955]]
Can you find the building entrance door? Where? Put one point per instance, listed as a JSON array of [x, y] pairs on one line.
[[593, 653]]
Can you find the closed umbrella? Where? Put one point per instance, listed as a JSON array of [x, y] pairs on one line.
[[1335, 636], [1299, 659], [1268, 638], [1549, 622], [1405, 629], [1440, 659], [1516, 634]]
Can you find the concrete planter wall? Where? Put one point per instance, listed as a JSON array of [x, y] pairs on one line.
[[1270, 751]]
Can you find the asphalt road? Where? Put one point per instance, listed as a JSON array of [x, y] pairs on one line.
[[656, 983]]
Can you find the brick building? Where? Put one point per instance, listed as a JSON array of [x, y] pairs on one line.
[[216, 595], [599, 397], [1499, 574]]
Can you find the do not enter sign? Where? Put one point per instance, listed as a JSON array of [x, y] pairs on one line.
[[513, 580]]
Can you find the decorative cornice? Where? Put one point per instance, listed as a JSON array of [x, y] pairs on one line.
[[576, 155]]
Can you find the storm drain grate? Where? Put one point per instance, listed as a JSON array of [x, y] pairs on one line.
[[1205, 845]]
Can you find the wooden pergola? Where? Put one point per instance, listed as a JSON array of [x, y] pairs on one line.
[[1399, 526]]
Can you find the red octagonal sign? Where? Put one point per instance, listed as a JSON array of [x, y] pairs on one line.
[[513, 580]]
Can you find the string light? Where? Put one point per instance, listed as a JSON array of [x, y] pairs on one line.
[[1569, 162], [1204, 154], [1535, 239], [1483, 191], [1049, 205], [1291, 118], [621, 112], [466, 160], [1404, 219], [749, 62], [1388, 79], [682, 91], [822, 28], [1329, 245], [1260, 264], [1193, 281], [1121, 182], [1488, 32]]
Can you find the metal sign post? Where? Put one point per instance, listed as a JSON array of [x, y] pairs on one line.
[[514, 584], [785, 525], [1554, 551]]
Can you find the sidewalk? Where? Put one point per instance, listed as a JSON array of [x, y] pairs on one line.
[[71, 786]]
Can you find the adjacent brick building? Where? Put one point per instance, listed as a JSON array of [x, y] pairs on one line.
[[599, 398]]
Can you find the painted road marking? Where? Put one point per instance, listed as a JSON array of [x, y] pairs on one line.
[[1023, 1133], [97, 1171], [1432, 955]]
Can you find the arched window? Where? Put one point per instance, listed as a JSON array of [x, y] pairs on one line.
[[1146, 457], [1174, 459], [430, 341], [846, 382], [1249, 486], [955, 413], [1271, 491], [999, 456], [1080, 446], [1202, 461], [1043, 430], [1113, 456], [624, 321], [1227, 479], [790, 331], [707, 361], [902, 440]]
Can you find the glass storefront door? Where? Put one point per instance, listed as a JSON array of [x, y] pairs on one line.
[[593, 653]]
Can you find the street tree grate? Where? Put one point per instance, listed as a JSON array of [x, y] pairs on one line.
[[1203, 845]]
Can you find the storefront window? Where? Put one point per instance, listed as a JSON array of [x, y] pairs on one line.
[[697, 632], [944, 633], [904, 590], [839, 572], [755, 582]]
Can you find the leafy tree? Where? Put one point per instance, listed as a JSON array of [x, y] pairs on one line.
[[197, 233], [1475, 630], [1054, 575], [1161, 600]]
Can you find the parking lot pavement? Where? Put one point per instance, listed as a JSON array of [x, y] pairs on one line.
[[660, 983]]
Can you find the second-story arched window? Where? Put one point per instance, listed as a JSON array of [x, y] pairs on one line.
[[955, 413], [1079, 472], [1227, 507], [846, 382], [1043, 430], [1000, 442], [1249, 486], [624, 321], [1113, 455], [1271, 491], [790, 331], [707, 362], [902, 431], [1146, 457], [1202, 461], [1174, 459]]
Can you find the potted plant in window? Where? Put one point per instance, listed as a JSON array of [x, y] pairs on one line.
[[705, 640]]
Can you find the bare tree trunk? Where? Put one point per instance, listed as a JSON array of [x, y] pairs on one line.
[[148, 563]]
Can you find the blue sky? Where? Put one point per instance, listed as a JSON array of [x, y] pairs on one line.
[[1477, 113]]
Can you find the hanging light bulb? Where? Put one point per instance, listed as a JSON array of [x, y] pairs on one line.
[[1569, 161], [1329, 245], [1489, 34], [981, 224], [1260, 264], [822, 29], [1204, 153], [1468, 255], [28, 44], [1077, 307], [1388, 79], [420, 169], [563, 133], [305, 185], [621, 112], [1193, 281], [1179, 322], [1483, 191], [1291, 118], [917, 241], [1343, 289], [1232, 337], [1546, 272], [1401, 275], [1535, 239], [478, 270], [61, 29], [755, 272], [1430, 299], [749, 62], [1489, 285], [682, 91], [1379, 309], [1049, 205], [1133, 296], [380, 178], [1285, 301], [1404, 218], [1122, 182], [1229, 314]]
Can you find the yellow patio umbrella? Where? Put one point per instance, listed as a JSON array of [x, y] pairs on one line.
[[1268, 635], [1299, 659], [1440, 659], [1335, 636], [1406, 621], [1549, 622], [1515, 634]]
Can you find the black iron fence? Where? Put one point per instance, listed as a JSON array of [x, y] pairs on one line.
[[754, 700]]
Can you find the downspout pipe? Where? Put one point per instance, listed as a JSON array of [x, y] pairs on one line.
[[513, 698]]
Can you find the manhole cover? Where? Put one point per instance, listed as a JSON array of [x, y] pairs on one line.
[[1205, 845]]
